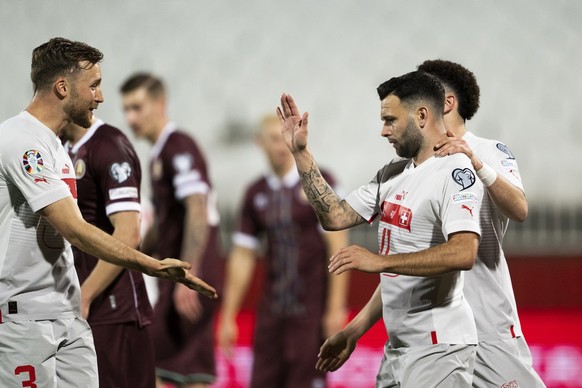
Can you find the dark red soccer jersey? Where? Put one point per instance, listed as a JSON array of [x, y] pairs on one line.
[[296, 257], [178, 169], [108, 181]]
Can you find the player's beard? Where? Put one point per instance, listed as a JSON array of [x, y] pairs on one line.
[[77, 111], [411, 141]]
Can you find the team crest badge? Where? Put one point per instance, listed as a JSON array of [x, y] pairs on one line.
[[505, 149], [120, 171], [32, 161], [80, 168], [464, 177]]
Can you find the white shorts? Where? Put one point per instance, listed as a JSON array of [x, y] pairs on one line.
[[505, 363], [440, 365], [56, 353]]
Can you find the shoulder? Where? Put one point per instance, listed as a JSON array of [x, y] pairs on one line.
[[489, 146]]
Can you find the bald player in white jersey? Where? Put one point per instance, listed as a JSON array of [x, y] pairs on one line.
[[428, 234], [44, 342]]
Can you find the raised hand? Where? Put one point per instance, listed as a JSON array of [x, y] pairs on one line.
[[177, 271], [293, 124]]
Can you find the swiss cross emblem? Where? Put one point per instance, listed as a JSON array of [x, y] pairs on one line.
[[404, 217], [396, 215]]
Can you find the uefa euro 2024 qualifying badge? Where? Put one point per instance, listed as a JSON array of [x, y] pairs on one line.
[[32, 161]]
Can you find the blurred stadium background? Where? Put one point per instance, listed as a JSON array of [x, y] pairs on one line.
[[226, 63]]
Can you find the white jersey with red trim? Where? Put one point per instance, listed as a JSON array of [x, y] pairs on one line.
[[420, 208], [37, 275], [488, 285]]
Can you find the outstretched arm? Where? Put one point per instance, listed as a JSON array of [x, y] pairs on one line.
[[458, 253], [508, 198], [333, 212], [336, 350], [126, 229], [65, 217]]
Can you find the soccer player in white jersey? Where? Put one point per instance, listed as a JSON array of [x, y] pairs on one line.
[[44, 341], [428, 234], [503, 357]]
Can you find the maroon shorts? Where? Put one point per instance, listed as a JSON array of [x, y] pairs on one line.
[[184, 351], [285, 352], [125, 355]]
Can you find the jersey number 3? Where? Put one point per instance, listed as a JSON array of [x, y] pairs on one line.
[[30, 383]]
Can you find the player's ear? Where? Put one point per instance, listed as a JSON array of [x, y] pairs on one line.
[[61, 87], [422, 116], [450, 102]]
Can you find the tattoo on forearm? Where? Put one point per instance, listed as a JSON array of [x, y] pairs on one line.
[[326, 203]]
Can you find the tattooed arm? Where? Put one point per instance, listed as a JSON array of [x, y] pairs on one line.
[[333, 212]]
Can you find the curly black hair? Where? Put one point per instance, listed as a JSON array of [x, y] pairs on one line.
[[460, 80]]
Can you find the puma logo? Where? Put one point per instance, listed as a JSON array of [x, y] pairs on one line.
[[470, 209], [37, 180]]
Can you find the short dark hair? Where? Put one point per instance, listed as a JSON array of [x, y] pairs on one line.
[[460, 80], [153, 85], [413, 87], [60, 56]]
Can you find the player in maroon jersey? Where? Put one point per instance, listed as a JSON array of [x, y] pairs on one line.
[[113, 300], [185, 211], [301, 301]]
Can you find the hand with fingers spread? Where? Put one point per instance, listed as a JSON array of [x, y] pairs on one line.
[[356, 257], [453, 145], [335, 351], [178, 271], [293, 124]]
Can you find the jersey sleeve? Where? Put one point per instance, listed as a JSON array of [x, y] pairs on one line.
[[365, 200], [188, 168], [31, 167], [462, 193], [118, 174], [248, 227], [502, 160]]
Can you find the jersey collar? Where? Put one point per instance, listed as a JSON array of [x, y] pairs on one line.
[[166, 132], [92, 129], [288, 181]]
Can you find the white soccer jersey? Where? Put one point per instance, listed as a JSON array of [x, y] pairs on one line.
[[420, 208], [37, 275], [488, 285]]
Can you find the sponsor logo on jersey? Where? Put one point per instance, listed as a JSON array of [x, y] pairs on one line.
[[464, 177], [123, 192], [80, 168], [120, 171], [41, 179], [396, 215], [469, 209], [400, 197], [465, 197], [505, 149], [32, 161], [183, 162], [507, 163]]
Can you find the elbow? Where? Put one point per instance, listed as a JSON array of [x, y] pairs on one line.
[[467, 262], [521, 213], [330, 226]]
